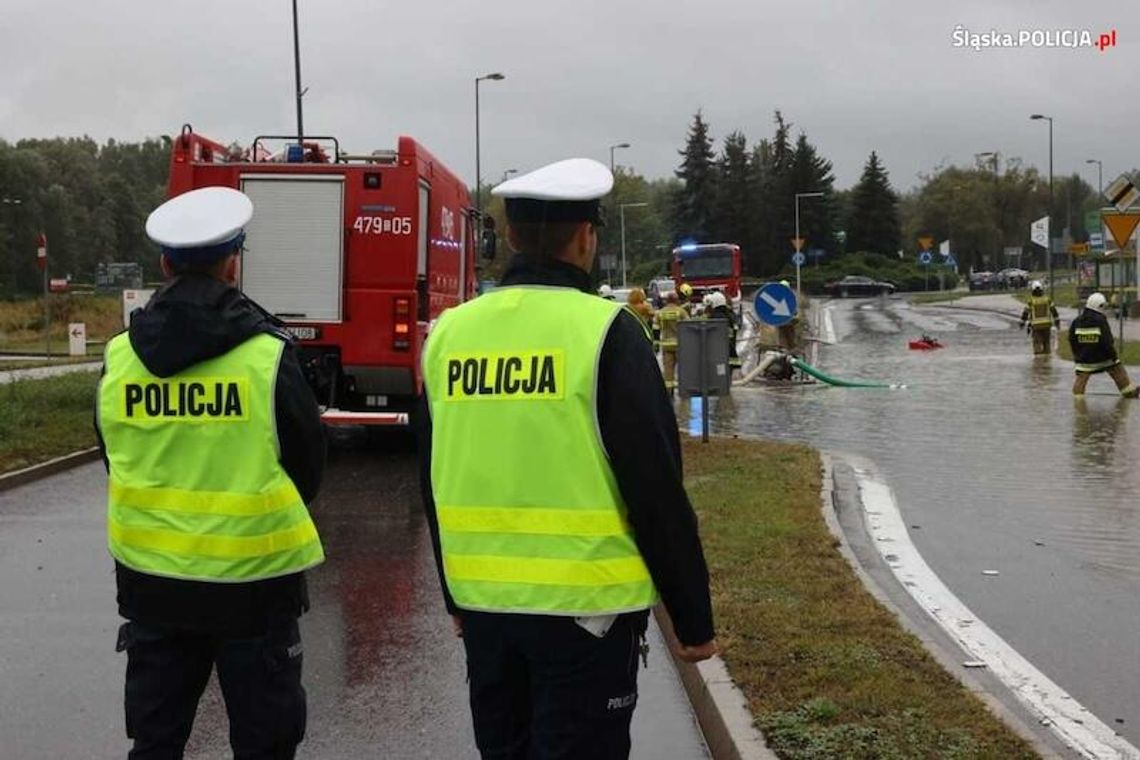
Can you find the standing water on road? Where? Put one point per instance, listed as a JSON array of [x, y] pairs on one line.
[[994, 466]]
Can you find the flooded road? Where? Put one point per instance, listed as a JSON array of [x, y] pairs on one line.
[[384, 674], [995, 467]]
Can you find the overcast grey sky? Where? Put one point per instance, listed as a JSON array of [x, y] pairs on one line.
[[582, 75]]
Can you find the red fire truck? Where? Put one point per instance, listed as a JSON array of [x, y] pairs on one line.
[[713, 266], [357, 254]]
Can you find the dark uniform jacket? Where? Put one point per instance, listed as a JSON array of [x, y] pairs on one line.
[[639, 431], [192, 319], [1103, 350]]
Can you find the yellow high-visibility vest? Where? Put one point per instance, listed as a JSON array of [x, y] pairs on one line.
[[530, 516], [196, 490]]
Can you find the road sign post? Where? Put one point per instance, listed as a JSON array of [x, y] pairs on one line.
[[41, 262], [924, 258], [77, 339], [798, 259]]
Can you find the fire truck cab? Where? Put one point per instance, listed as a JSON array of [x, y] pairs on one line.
[[357, 254], [708, 267]]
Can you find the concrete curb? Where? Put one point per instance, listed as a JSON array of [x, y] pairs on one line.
[[50, 467], [941, 651], [721, 708]]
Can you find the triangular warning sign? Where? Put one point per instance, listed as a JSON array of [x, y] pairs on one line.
[[1121, 226]]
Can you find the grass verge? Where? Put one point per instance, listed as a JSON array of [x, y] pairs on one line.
[[22, 325], [42, 419], [827, 671]]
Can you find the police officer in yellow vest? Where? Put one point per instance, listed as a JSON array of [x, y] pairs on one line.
[[1042, 317], [213, 446], [553, 487]]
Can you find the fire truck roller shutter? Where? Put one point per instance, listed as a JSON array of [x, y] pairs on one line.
[[295, 245], [390, 381]]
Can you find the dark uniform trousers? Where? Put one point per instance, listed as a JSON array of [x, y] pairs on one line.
[[544, 688], [260, 677]]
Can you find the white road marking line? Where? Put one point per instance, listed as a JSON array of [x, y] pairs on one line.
[[1049, 703]]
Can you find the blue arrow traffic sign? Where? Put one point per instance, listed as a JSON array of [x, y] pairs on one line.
[[798, 258], [775, 304], [924, 257]]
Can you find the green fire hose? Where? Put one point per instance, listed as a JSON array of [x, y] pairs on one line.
[[826, 378]]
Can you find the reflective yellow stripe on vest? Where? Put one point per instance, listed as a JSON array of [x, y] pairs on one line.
[[196, 490], [530, 517], [1040, 311], [1087, 334]]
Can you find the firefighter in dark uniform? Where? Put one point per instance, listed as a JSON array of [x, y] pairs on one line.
[[1042, 317], [552, 480], [213, 446], [1094, 351]]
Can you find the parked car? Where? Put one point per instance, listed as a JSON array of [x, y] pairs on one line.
[[854, 285], [982, 281], [1013, 278], [657, 289]]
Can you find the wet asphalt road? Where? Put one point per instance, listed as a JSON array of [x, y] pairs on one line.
[[385, 676], [994, 467]]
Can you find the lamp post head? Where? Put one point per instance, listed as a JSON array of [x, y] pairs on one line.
[[622, 145], [496, 77], [1092, 160], [1037, 116]]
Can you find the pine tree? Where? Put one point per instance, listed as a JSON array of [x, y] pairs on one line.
[[873, 222], [695, 202], [734, 196], [811, 173], [771, 169]]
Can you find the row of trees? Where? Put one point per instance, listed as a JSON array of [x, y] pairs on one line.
[[90, 200]]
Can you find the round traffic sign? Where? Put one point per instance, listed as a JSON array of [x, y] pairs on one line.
[[924, 257], [798, 258], [775, 304]]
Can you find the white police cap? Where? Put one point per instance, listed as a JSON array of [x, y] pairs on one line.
[[565, 191], [202, 224]]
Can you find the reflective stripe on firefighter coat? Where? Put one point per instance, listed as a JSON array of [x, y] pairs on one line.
[[196, 490], [1040, 311], [530, 516]]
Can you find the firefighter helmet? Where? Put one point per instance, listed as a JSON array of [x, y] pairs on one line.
[[605, 291], [686, 290], [715, 299], [1095, 302], [1036, 287]]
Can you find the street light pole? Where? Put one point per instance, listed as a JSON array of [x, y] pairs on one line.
[[297, 77], [612, 149], [1049, 246], [613, 169], [508, 173], [992, 155], [1099, 175], [798, 196], [496, 77], [621, 213]]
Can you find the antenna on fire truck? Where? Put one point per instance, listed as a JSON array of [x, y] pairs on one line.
[[297, 68]]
